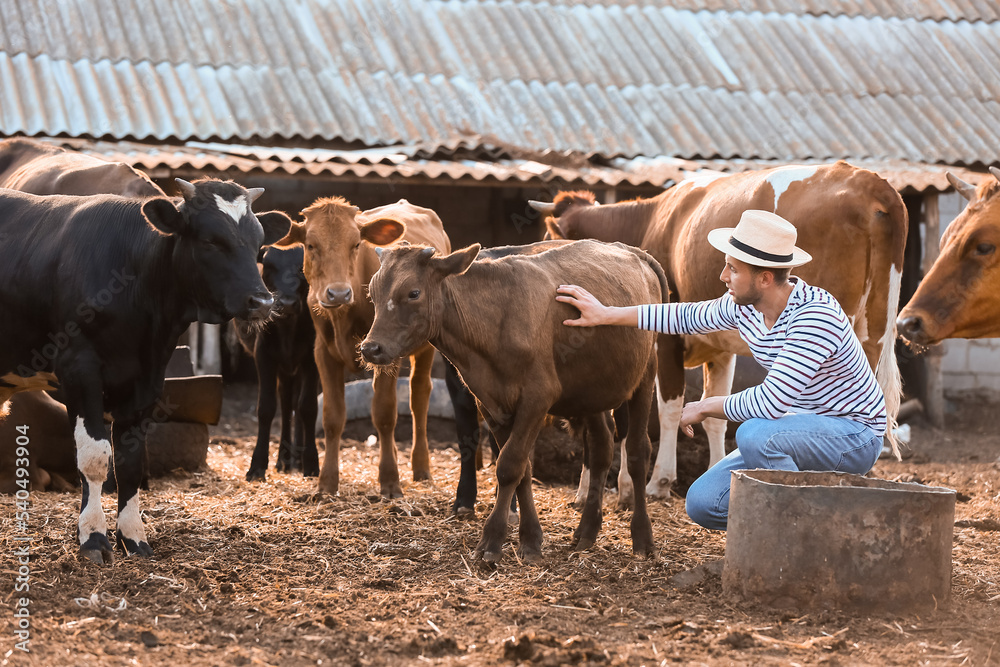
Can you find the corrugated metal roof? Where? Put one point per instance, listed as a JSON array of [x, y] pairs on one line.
[[468, 165], [609, 78]]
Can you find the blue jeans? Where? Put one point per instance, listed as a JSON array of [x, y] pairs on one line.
[[791, 442]]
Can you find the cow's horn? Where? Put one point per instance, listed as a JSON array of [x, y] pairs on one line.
[[187, 189], [253, 193], [967, 190], [542, 206], [995, 172], [378, 252]]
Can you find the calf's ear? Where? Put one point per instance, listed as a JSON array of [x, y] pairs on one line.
[[276, 226], [382, 231], [552, 230], [296, 236], [163, 216], [457, 262]]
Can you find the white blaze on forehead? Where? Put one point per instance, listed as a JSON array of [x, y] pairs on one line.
[[236, 208], [390, 305], [783, 177]]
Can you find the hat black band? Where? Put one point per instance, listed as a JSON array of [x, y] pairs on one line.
[[759, 254]]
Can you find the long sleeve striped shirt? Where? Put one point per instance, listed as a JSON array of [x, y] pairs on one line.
[[814, 360]]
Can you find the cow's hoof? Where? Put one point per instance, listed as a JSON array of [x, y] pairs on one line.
[[583, 543], [133, 548], [310, 471], [97, 549], [422, 476], [391, 491], [282, 466], [256, 475], [659, 489], [646, 551], [529, 554], [491, 557], [463, 512], [328, 488], [625, 504]]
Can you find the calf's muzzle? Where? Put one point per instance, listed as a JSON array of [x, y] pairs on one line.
[[259, 306], [374, 353]]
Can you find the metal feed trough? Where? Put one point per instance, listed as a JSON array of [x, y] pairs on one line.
[[834, 540]]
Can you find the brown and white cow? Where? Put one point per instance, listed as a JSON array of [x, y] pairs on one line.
[[498, 321], [340, 259], [40, 169], [960, 295], [851, 220]]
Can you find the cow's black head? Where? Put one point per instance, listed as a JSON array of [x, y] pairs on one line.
[[282, 273], [216, 241]]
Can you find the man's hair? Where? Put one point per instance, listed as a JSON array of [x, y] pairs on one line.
[[780, 273]]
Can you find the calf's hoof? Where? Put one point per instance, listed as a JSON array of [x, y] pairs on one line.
[[391, 491], [310, 470], [328, 488], [529, 554], [659, 488], [625, 503], [283, 466], [463, 511], [422, 476], [97, 549], [256, 475]]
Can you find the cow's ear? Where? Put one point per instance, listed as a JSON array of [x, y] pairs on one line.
[[296, 236], [163, 216], [457, 262], [382, 231], [552, 230], [277, 226]]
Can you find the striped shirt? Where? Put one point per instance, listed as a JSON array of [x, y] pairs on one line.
[[814, 360]]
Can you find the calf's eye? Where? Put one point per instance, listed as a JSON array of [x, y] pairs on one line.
[[985, 249], [414, 294]]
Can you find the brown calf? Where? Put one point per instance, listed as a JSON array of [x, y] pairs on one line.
[[498, 321], [340, 259]]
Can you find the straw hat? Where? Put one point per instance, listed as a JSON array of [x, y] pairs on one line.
[[762, 239]]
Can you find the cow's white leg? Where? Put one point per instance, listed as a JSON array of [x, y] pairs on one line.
[[626, 489], [581, 491], [718, 376], [665, 468], [93, 454]]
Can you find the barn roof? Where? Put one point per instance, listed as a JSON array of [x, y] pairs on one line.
[[767, 80]]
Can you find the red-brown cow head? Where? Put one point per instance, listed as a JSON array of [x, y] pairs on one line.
[[563, 202], [337, 264], [407, 294], [960, 296]]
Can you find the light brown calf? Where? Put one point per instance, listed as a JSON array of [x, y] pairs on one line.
[[340, 259], [498, 321]]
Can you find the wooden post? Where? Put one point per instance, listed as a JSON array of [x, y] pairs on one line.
[[934, 400]]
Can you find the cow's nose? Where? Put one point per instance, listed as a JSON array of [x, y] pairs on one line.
[[259, 305], [338, 296], [372, 352], [910, 327]]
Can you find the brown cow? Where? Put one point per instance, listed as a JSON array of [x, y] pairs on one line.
[[339, 261], [958, 296], [852, 222], [498, 321], [40, 169]]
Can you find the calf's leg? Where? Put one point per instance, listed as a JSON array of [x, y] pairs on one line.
[[267, 379], [467, 432], [305, 415], [637, 448], [601, 448], [670, 397], [287, 461], [130, 442], [511, 467], [420, 399], [331, 373], [384, 418]]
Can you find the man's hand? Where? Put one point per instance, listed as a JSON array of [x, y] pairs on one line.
[[592, 311], [696, 412]]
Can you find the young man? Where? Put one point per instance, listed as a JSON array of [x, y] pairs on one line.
[[819, 408]]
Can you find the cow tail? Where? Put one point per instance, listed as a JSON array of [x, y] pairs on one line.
[[894, 224]]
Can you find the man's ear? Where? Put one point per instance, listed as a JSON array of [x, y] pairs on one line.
[[457, 262], [276, 225], [163, 216], [296, 235], [383, 231]]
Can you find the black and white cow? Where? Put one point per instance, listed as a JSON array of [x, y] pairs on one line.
[[94, 293], [282, 351]]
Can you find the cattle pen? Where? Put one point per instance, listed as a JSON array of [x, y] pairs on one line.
[[270, 574]]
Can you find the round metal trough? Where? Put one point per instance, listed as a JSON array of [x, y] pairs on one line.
[[810, 540]]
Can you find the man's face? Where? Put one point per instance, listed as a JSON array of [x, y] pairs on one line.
[[742, 282]]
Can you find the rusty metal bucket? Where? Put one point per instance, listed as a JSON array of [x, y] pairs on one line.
[[810, 540]]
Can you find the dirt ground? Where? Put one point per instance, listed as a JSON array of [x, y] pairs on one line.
[[268, 574]]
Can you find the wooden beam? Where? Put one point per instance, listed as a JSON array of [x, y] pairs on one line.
[[934, 399]]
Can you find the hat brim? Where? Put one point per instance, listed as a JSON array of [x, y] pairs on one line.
[[719, 238]]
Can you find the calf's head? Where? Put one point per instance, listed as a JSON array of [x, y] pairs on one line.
[[408, 297], [281, 269], [216, 240], [338, 262], [959, 296]]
